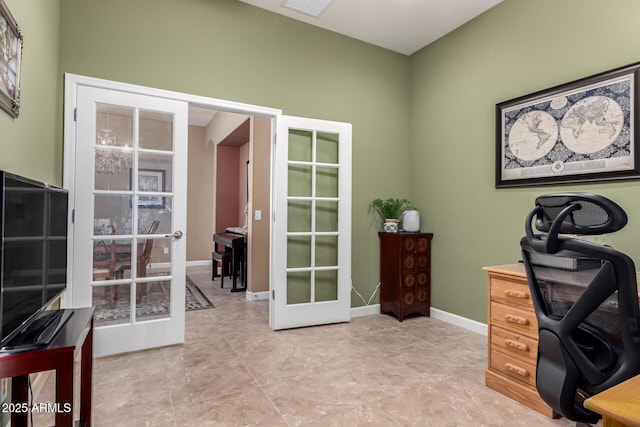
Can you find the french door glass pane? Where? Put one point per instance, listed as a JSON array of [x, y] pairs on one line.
[[156, 130], [326, 251], [298, 251], [114, 126], [154, 209], [326, 182], [326, 285], [160, 258], [112, 214], [300, 183], [299, 216], [326, 216], [300, 145], [114, 138], [155, 172], [311, 175], [118, 163], [125, 258], [327, 147], [298, 287], [112, 304], [153, 300]]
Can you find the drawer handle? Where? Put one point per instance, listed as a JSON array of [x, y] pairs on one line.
[[516, 319], [516, 345], [516, 294], [516, 369]]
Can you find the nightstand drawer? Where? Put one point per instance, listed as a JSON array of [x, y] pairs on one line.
[[511, 291], [515, 368], [516, 345], [514, 318]]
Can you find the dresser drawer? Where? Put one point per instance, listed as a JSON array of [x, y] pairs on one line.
[[516, 345], [514, 368], [510, 291], [513, 337], [514, 318]]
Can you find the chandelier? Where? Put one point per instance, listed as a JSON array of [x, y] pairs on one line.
[[111, 160]]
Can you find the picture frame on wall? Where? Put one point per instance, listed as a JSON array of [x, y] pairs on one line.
[[152, 181], [10, 59], [580, 131]]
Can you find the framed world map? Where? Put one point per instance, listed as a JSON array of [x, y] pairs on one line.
[[578, 131]]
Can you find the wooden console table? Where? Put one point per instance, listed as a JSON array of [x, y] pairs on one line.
[[75, 336]]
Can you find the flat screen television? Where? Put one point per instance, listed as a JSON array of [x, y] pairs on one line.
[[33, 259]]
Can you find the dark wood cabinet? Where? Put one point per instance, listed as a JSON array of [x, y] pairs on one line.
[[405, 273]]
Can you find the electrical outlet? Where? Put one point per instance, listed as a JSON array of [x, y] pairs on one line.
[[166, 250], [258, 215]]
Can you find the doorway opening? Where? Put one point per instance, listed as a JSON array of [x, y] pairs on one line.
[[229, 172]]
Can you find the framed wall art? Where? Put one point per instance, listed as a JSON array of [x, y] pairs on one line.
[[10, 58], [579, 131], [152, 181]]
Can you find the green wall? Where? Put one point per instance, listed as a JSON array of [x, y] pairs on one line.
[[516, 48], [31, 144], [423, 126], [229, 50]]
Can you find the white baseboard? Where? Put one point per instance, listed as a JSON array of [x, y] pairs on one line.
[[257, 296], [198, 263], [463, 322], [365, 310], [454, 319]]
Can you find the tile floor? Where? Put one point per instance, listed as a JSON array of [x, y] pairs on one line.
[[234, 371]]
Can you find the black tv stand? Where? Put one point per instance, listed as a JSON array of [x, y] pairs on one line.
[[39, 332]]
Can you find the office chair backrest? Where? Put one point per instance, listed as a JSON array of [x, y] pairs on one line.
[[586, 301]]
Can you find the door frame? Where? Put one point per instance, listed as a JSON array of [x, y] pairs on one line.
[[72, 81]]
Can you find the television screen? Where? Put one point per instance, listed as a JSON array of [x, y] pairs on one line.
[[33, 250]]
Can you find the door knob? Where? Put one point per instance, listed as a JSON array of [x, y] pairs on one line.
[[176, 235]]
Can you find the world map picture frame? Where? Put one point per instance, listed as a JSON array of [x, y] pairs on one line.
[[580, 131]]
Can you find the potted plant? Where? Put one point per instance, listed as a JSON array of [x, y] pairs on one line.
[[390, 210]]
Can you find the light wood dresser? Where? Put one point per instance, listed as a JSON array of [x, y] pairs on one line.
[[513, 337]]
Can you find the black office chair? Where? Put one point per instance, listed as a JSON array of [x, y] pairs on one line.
[[585, 298]]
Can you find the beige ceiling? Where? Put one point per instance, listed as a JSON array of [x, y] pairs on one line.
[[403, 26]]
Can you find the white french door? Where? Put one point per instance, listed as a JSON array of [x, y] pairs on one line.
[[129, 199], [311, 248]]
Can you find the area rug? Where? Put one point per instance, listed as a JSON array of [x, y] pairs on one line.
[[195, 298], [154, 304]]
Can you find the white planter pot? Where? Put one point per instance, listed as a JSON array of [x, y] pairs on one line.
[[390, 226]]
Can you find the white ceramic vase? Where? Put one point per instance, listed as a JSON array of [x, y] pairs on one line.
[[411, 221]]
